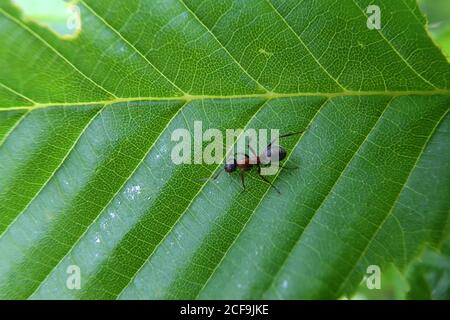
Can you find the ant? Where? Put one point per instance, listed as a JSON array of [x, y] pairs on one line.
[[247, 163]]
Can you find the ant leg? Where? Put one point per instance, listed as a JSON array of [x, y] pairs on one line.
[[285, 135], [289, 167], [291, 134], [255, 159], [251, 149], [241, 173], [217, 175], [267, 181]]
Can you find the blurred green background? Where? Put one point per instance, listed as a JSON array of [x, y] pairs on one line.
[[426, 278], [438, 14]]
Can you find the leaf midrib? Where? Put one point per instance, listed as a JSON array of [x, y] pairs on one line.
[[265, 96], [187, 97]]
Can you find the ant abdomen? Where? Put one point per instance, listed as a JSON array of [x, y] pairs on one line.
[[274, 150]]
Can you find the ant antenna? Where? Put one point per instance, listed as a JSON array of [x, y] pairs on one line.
[[267, 181], [285, 135], [291, 134]]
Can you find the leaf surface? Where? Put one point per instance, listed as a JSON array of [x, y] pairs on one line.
[[85, 144]]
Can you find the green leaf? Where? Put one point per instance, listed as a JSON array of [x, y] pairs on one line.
[[429, 276], [85, 145]]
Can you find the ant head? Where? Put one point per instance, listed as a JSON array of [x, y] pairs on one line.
[[273, 150], [230, 166]]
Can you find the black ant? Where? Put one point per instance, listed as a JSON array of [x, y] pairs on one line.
[[265, 158]]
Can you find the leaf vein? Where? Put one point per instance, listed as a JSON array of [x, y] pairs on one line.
[[221, 44], [266, 96], [396, 51], [48, 45], [130, 45], [259, 203], [393, 206], [188, 206], [17, 93], [281, 266], [53, 172], [304, 45], [113, 196], [14, 127]]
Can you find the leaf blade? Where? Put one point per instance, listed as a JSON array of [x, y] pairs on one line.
[[221, 73]]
